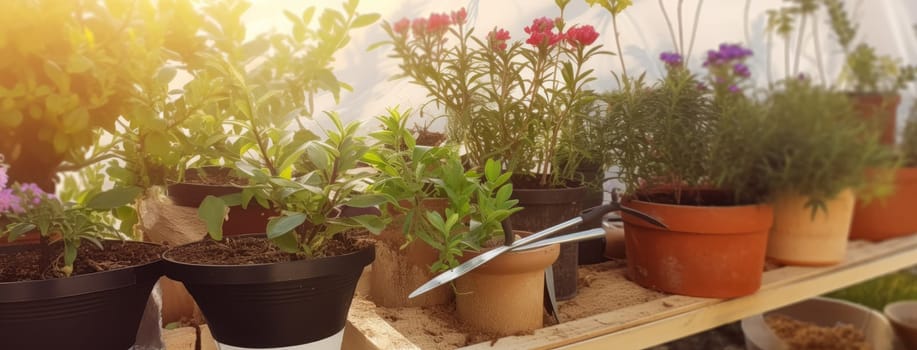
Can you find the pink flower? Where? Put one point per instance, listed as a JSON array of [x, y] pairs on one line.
[[458, 17], [419, 26], [8, 201], [581, 35], [438, 22], [401, 27], [498, 39], [541, 33], [4, 178]]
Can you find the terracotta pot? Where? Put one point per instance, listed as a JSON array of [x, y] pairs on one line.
[[713, 252], [889, 217], [543, 208], [506, 295], [396, 271], [798, 239], [252, 219], [883, 109]]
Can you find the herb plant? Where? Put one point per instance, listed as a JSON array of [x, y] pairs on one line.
[[509, 101], [24, 208], [477, 207], [909, 143], [310, 204]]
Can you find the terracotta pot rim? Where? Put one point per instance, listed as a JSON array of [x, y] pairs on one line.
[[725, 207], [704, 220], [872, 95], [527, 260]]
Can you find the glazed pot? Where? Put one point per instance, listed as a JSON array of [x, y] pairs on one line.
[[881, 109], [707, 251], [506, 295], [543, 208], [397, 271], [889, 217], [291, 305], [252, 219], [903, 317], [100, 310], [798, 238]]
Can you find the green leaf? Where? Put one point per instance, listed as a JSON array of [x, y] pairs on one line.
[[213, 212], [371, 223], [69, 255], [318, 156], [366, 200], [165, 75], [365, 20], [232, 200], [17, 230], [492, 170], [114, 198], [287, 243], [157, 144], [279, 226]]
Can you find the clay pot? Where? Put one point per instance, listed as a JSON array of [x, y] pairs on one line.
[[396, 271], [881, 109], [506, 295], [889, 217], [903, 316], [712, 252], [798, 239], [252, 219], [543, 208]]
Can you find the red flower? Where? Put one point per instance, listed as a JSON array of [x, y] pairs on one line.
[[498, 39], [458, 17], [401, 27], [438, 22], [541, 33], [582, 35], [419, 26]]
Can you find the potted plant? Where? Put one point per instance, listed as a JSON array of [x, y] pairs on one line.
[[873, 80], [821, 154], [294, 286], [505, 295], [510, 101], [690, 154], [261, 89], [407, 175], [891, 217], [81, 279]]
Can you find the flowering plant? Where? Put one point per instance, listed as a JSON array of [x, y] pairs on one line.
[[24, 207], [507, 100]]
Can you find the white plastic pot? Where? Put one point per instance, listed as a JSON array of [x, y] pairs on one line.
[[823, 312]]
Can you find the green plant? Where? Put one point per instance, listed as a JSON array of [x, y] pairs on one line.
[[62, 81], [864, 70], [504, 100], [820, 146], [473, 219], [406, 170], [909, 142], [310, 204], [24, 208]]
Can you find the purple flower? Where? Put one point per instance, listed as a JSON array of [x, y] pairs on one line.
[[741, 70], [726, 53], [672, 59], [4, 178], [733, 89], [9, 201], [802, 77]]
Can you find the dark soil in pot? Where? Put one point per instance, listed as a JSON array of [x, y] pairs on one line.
[[99, 307], [543, 208], [255, 296]]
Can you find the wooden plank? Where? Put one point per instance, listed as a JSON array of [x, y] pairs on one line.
[[607, 323], [183, 338], [675, 316]]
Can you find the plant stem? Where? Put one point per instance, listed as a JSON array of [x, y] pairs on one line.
[[694, 30], [614, 25], [768, 59], [745, 16], [799, 42], [668, 23], [818, 58], [681, 32], [44, 263]]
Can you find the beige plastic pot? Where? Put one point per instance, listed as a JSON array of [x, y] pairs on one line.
[[903, 316], [506, 295], [824, 312], [799, 239]]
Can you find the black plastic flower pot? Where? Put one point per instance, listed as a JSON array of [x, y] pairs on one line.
[[286, 304], [252, 219], [544, 208], [99, 311]]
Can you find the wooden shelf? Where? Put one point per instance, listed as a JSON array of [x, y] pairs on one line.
[[672, 317]]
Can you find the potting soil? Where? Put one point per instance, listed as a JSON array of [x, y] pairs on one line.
[[23, 266], [800, 335]]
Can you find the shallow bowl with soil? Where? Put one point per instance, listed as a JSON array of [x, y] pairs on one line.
[[255, 296], [98, 307]]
